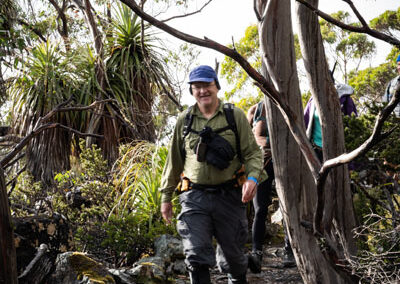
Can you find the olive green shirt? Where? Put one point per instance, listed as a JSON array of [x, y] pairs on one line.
[[201, 172]]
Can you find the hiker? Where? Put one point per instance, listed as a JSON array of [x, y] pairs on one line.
[[390, 88], [313, 123], [256, 116], [212, 141]]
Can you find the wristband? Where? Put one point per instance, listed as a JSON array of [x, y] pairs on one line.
[[253, 179]]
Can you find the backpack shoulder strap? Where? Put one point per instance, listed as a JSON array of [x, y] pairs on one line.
[[187, 124], [258, 115], [230, 118], [187, 128]]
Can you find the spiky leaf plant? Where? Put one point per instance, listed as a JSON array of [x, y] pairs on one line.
[[136, 72], [46, 81]]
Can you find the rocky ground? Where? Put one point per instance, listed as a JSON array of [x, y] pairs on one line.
[[272, 272]]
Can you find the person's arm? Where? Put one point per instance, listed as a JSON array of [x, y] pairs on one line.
[[252, 156]]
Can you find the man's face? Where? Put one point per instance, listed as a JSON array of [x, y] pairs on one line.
[[398, 67], [205, 93]]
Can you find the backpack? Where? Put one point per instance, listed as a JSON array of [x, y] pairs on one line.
[[258, 115], [228, 111]]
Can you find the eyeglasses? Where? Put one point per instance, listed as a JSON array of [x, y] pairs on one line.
[[198, 87]]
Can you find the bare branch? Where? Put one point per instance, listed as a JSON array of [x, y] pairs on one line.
[[20, 156], [258, 16], [33, 133], [186, 15], [355, 11], [39, 127], [363, 29], [34, 30], [63, 30], [60, 108], [10, 138], [14, 179]]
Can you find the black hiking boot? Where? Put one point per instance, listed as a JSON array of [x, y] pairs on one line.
[[255, 260], [199, 275], [288, 258], [239, 279]]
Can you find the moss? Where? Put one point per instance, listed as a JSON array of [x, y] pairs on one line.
[[85, 266]]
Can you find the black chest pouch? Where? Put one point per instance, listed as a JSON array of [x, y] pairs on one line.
[[214, 149]]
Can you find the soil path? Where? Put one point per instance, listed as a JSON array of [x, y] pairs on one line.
[[273, 271]]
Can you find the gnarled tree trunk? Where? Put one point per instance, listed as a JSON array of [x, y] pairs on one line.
[[8, 259], [295, 186]]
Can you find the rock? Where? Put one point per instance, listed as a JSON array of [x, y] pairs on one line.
[[78, 268], [179, 267], [277, 217], [169, 248], [149, 270], [121, 276]]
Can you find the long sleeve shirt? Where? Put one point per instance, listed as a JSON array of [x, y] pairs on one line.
[[182, 157]]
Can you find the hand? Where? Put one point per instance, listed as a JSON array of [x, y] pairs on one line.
[[249, 190], [166, 212]]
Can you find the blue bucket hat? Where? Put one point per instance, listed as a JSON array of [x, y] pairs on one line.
[[202, 73], [398, 58]]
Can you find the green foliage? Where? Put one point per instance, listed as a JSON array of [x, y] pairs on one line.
[[248, 47], [346, 47], [370, 83], [388, 22], [244, 92], [138, 179], [25, 194], [137, 182], [121, 214], [375, 199], [92, 162], [45, 83], [89, 180], [297, 48], [305, 98], [130, 235], [358, 129]]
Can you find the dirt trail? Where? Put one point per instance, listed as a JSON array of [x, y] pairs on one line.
[[272, 272]]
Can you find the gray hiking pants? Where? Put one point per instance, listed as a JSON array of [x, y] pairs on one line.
[[220, 214]]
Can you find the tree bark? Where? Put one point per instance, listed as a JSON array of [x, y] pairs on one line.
[[8, 259], [296, 187], [338, 203]]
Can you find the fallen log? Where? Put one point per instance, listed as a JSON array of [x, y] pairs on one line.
[[32, 231], [8, 267], [38, 268]]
